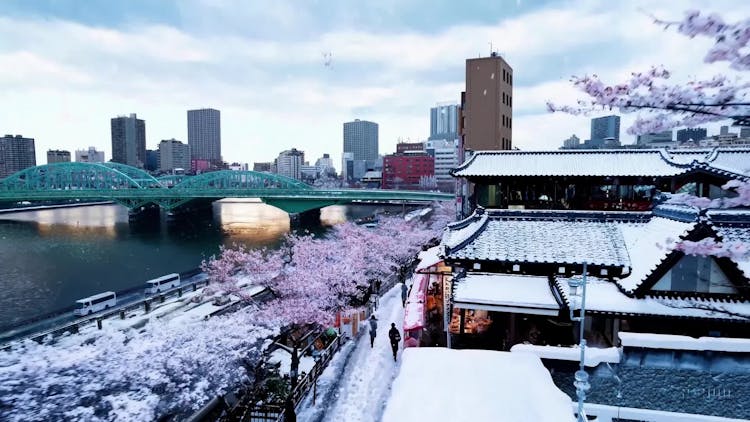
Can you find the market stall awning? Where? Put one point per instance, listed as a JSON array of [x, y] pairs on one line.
[[505, 293]]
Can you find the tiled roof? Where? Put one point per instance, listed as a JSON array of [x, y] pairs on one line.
[[736, 233], [509, 239], [604, 296], [632, 162], [570, 163]]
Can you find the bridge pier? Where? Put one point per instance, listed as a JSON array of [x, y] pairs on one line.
[[145, 213], [305, 219]]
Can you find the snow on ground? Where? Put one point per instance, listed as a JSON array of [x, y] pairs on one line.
[[356, 385], [437, 384]]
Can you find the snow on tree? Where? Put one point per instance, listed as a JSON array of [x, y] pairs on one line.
[[662, 106], [137, 374]]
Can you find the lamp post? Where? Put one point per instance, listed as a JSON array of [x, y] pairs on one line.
[[316, 372], [578, 292], [294, 366]]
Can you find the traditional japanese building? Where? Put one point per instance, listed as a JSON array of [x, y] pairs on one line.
[[652, 311], [596, 179]]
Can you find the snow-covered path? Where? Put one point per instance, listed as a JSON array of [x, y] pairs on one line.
[[357, 383]]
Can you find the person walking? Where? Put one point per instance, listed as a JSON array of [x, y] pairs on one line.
[[373, 330], [404, 293], [395, 337]]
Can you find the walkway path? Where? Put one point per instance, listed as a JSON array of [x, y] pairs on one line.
[[357, 383]]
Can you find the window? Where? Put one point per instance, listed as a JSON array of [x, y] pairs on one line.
[[695, 274]]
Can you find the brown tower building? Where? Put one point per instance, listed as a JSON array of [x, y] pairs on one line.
[[488, 105]]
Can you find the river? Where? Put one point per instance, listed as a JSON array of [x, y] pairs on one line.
[[49, 258]]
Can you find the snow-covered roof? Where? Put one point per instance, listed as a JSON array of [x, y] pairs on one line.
[[414, 306], [646, 247], [646, 162], [513, 239], [674, 342], [733, 159], [474, 385], [428, 258], [456, 234], [604, 297], [593, 356], [505, 292]]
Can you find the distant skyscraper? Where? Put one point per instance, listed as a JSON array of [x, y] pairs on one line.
[[444, 122], [605, 130], [58, 156], [694, 133], [651, 138], [445, 153], [173, 154], [488, 104], [16, 153], [152, 160], [745, 132], [361, 139], [129, 141], [90, 155], [290, 162], [204, 134], [402, 147]]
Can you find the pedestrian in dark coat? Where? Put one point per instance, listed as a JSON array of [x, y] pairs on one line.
[[404, 293], [395, 338], [373, 330]]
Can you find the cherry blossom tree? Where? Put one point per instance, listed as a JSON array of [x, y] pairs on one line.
[[165, 368], [661, 105]]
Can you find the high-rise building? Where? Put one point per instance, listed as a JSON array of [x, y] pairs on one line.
[[488, 104], [324, 166], [16, 153], [58, 156], [654, 138], [129, 141], [173, 155], [404, 171], [605, 131], [204, 134], [745, 132], [361, 139], [694, 133], [445, 153], [90, 155], [290, 162], [444, 121], [152, 160], [262, 166]]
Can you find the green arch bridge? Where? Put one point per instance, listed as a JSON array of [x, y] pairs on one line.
[[135, 188]]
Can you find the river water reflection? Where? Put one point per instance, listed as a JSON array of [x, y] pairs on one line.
[[50, 258]]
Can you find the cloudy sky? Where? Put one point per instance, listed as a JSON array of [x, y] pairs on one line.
[[68, 66]]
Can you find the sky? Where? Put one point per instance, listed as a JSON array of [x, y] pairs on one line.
[[288, 74]]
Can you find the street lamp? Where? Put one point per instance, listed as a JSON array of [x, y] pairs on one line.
[[578, 293], [316, 372]]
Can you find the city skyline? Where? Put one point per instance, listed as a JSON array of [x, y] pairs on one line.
[[273, 82]]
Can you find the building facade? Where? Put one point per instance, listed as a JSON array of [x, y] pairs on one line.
[[404, 171], [262, 167], [58, 156], [605, 131], [90, 155], [488, 104], [152, 160], [290, 162], [694, 133], [445, 153], [324, 166], [129, 140], [204, 134], [361, 139], [173, 155], [654, 138], [16, 153], [572, 143], [444, 121]]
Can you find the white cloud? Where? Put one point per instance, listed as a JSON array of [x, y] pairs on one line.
[[262, 66]]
